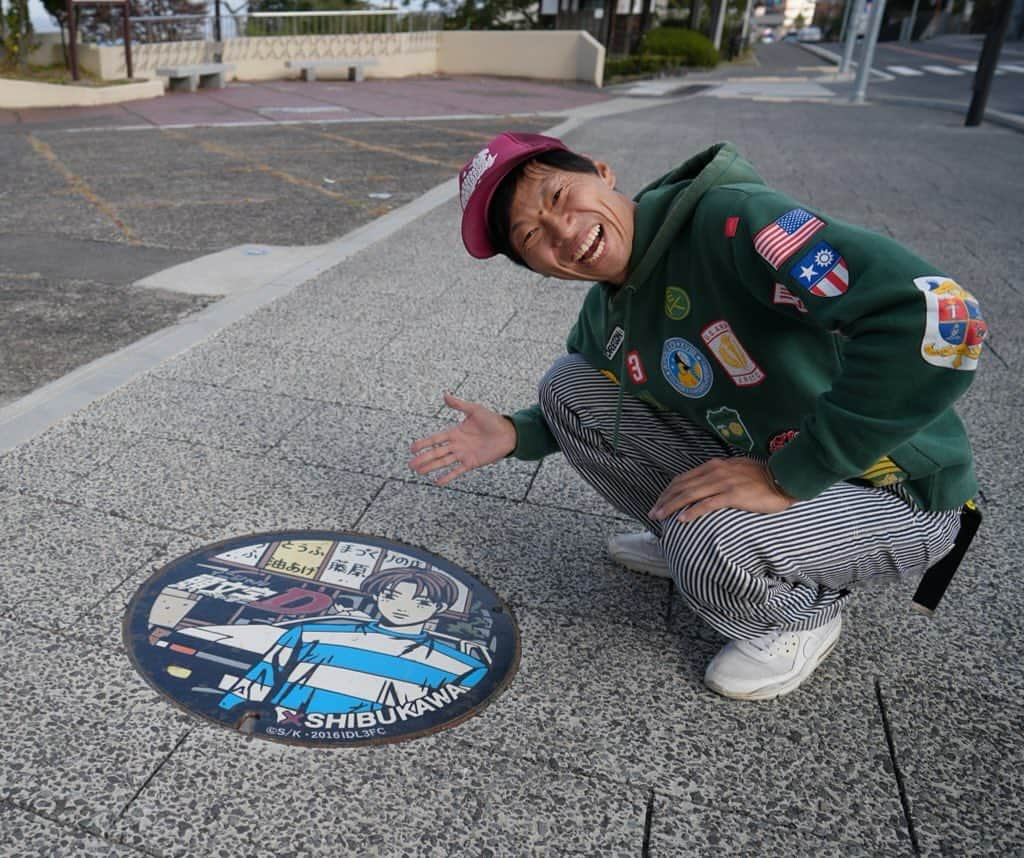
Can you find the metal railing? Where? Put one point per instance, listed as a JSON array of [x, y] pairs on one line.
[[342, 23], [105, 29]]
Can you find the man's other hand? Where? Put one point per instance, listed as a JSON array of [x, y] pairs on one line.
[[734, 483]]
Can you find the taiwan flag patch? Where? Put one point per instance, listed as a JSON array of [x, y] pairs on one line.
[[822, 272]]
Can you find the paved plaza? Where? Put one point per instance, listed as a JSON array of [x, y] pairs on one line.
[[296, 410]]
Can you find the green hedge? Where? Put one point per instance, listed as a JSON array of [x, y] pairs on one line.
[[638, 64], [689, 47]]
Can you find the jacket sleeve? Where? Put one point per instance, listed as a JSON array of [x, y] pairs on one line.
[[908, 336], [533, 435]]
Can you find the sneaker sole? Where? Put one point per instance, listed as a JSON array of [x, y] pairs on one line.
[[639, 563], [770, 692]]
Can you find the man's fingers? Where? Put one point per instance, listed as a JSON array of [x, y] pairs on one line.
[[705, 506], [452, 401], [460, 469], [437, 439]]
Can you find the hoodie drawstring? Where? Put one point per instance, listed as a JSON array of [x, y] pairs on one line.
[[622, 369]]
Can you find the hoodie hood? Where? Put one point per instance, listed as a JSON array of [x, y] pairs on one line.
[[667, 204]]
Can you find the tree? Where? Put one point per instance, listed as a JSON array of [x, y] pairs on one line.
[[484, 14], [16, 32]]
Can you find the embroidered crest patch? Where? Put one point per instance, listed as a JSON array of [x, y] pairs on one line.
[[730, 428], [677, 303], [822, 272], [954, 327], [777, 241], [730, 353], [685, 368]]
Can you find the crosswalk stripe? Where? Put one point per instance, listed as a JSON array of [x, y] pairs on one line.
[[973, 67], [1011, 68], [906, 71], [943, 70]]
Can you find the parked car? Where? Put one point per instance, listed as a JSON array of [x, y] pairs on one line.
[[809, 34]]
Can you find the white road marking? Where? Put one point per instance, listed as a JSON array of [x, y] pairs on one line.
[[1011, 68], [943, 70], [906, 71]]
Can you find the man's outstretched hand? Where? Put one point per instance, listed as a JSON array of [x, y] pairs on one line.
[[737, 483], [483, 437]]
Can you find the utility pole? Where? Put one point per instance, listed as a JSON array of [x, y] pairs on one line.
[[717, 23], [851, 36], [987, 64], [864, 69]]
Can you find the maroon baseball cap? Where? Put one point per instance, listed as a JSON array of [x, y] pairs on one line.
[[479, 179]]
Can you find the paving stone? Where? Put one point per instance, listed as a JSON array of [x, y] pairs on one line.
[[681, 827], [39, 837], [960, 754], [60, 560], [234, 420], [221, 793], [52, 463], [529, 555], [91, 732], [628, 700], [558, 485], [207, 491]]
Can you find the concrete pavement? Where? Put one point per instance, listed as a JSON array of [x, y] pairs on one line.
[[299, 414]]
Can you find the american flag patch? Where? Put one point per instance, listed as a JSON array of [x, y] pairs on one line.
[[777, 241]]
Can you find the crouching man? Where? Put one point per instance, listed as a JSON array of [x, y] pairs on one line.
[[767, 390]]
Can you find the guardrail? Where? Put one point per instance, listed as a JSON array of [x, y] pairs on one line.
[[104, 27]]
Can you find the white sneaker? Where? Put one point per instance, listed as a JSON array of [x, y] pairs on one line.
[[770, 666], [640, 552]]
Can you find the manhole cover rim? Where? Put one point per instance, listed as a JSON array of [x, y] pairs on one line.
[[146, 589]]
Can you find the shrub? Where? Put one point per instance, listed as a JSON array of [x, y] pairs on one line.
[[687, 46], [637, 64]]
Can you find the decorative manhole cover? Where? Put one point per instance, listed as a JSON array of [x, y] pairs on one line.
[[322, 638]]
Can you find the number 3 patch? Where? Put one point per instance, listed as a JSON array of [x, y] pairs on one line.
[[635, 367]]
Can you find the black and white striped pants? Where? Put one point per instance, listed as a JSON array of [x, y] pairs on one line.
[[746, 574]]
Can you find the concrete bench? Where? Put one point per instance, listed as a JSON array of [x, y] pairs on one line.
[[190, 77], [308, 68]]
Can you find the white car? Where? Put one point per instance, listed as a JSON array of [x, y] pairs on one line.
[[809, 34]]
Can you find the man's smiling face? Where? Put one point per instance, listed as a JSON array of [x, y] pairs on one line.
[[574, 226]]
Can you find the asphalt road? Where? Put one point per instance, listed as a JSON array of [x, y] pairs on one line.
[[87, 213], [943, 69]]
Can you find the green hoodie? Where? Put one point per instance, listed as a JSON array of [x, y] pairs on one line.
[[831, 351]]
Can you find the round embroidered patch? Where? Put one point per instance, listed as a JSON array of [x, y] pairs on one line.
[[686, 368], [677, 303], [322, 638]]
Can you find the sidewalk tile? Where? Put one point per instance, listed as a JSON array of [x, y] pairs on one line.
[[207, 491], [961, 759], [60, 560], [681, 827], [91, 733], [37, 836], [220, 793], [529, 555], [629, 701], [160, 407]]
